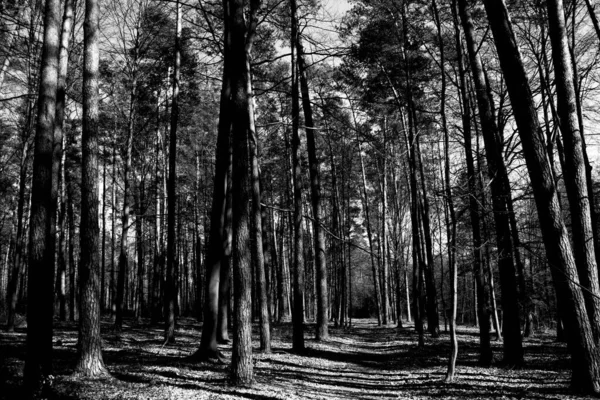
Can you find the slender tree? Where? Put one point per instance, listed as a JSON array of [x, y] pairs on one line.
[[89, 345], [171, 287], [322, 332], [298, 309]]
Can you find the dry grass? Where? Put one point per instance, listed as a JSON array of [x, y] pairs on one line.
[[366, 362]]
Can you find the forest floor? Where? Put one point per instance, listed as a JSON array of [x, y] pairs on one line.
[[364, 362]]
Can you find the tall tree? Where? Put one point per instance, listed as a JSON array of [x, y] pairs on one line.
[[241, 363], [322, 332], [574, 167], [513, 348], [298, 309], [584, 351], [257, 223], [217, 240], [89, 345], [38, 361], [171, 287]]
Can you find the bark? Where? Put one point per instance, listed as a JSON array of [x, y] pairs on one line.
[[513, 348], [257, 223], [171, 286], [217, 243], [575, 171], [71, 244], [451, 229], [322, 331], [584, 352], [89, 345], [57, 146], [384, 234], [298, 308], [225, 273], [141, 250], [485, 351], [38, 360], [241, 363]]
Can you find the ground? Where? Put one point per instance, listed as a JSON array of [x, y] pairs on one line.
[[364, 362]]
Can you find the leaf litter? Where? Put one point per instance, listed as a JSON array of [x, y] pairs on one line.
[[362, 362]]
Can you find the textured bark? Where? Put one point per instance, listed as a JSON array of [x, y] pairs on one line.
[[257, 223], [485, 351], [217, 242], [38, 361], [584, 352], [451, 228], [140, 249], [513, 348], [574, 170], [57, 146], [225, 272], [89, 344], [171, 286], [241, 362], [298, 308], [322, 331]]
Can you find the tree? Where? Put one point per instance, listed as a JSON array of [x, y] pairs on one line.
[[38, 362], [217, 240], [298, 308], [513, 349], [89, 345], [574, 166], [322, 332], [171, 287], [586, 366], [241, 363]]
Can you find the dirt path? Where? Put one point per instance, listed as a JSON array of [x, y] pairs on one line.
[[366, 362]]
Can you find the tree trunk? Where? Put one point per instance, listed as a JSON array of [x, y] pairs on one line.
[[451, 229], [241, 363], [298, 309], [322, 331], [513, 348], [171, 286], [38, 360], [89, 345], [574, 172], [584, 352], [485, 351], [217, 243]]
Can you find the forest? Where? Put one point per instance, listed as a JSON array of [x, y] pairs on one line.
[[281, 199]]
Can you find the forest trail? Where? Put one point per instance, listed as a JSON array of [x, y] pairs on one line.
[[364, 362]]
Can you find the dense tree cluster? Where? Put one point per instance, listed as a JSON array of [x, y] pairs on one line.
[[413, 161]]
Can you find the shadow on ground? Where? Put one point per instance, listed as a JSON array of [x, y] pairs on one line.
[[366, 361]]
